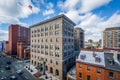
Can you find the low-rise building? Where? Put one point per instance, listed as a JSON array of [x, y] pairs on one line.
[[6, 47], [1, 45], [98, 64], [71, 75], [23, 50], [91, 44]]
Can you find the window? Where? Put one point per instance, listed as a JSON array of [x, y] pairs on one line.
[[98, 79], [111, 62], [80, 66], [57, 72], [57, 54], [88, 77], [56, 32], [98, 71], [46, 52], [51, 40], [56, 26], [51, 70], [50, 61], [57, 47], [51, 53], [80, 75], [56, 62], [46, 68], [42, 46], [111, 74], [88, 68], [51, 33], [56, 39], [51, 46]]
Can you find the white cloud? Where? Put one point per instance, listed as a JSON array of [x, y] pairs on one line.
[[49, 9], [94, 25], [12, 10], [80, 11], [48, 12], [82, 6], [89, 5], [3, 35]]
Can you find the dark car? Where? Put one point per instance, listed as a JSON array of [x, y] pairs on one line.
[[3, 78], [8, 62], [13, 78], [7, 67], [20, 72]]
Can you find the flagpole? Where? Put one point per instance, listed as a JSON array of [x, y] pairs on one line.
[[30, 7]]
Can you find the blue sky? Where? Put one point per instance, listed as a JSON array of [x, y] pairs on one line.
[[91, 15]]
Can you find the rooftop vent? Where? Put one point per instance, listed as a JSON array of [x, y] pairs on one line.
[[97, 59], [82, 57]]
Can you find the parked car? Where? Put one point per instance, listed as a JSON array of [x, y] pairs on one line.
[[8, 62], [3, 78], [7, 67], [13, 78], [20, 72]]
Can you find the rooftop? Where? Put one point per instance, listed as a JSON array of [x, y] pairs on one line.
[[112, 28], [100, 57], [54, 18]]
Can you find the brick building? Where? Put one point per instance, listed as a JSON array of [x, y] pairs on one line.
[[17, 34], [111, 37], [22, 52], [6, 47], [98, 64]]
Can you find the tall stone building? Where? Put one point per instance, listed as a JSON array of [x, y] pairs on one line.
[[78, 38], [111, 37], [52, 46]]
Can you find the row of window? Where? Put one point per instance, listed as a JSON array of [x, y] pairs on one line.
[[65, 40], [51, 53], [51, 33], [89, 68], [51, 27], [46, 40], [111, 75], [51, 46]]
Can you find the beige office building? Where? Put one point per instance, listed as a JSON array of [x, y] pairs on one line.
[[52, 46], [111, 37], [78, 38]]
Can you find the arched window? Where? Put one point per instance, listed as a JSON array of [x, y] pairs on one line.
[[57, 72], [51, 70], [46, 68], [34, 62]]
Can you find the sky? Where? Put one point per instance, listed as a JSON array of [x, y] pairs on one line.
[[93, 16]]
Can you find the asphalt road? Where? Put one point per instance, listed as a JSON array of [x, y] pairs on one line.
[[15, 66]]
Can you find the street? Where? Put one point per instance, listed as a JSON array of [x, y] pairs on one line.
[[14, 67]]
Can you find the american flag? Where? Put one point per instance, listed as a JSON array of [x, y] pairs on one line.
[[30, 7]]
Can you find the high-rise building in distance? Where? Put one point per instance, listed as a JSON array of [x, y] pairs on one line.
[[111, 37]]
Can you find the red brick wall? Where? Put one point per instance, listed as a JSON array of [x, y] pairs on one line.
[[93, 72], [15, 37], [6, 47]]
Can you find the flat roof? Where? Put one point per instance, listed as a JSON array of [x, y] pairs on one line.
[[53, 18]]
